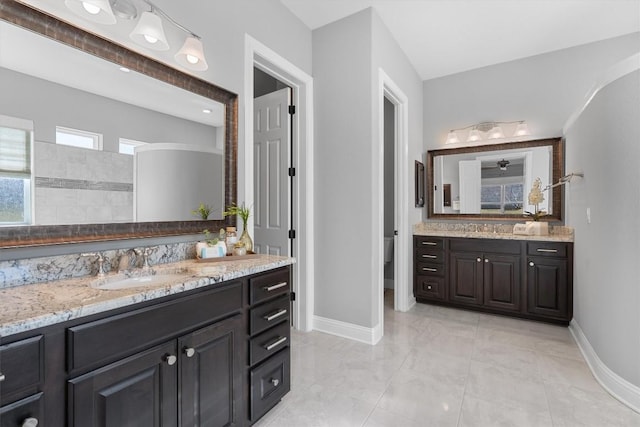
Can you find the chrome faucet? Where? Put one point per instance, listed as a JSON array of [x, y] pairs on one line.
[[145, 252], [101, 260]]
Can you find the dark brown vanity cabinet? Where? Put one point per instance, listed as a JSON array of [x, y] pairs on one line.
[[548, 285], [269, 336], [522, 278], [192, 379], [21, 382]]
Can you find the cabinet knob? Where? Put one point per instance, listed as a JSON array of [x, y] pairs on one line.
[[531, 264], [429, 287], [479, 259], [30, 422], [170, 359], [486, 260], [275, 382], [189, 351], [2, 377]]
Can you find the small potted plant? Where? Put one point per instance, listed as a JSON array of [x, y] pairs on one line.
[[212, 247], [203, 211], [536, 197], [243, 212]]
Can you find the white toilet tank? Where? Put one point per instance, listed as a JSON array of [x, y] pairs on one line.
[[388, 249]]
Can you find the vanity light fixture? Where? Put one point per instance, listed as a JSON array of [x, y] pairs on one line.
[[488, 130], [98, 11], [191, 55], [149, 32]]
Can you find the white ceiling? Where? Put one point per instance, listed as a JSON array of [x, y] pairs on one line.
[[442, 37]]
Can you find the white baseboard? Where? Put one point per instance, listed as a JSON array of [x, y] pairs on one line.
[[617, 386], [348, 330]]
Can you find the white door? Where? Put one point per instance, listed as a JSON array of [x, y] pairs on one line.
[[470, 186], [271, 151]]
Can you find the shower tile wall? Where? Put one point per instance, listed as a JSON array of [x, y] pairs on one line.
[[81, 186]]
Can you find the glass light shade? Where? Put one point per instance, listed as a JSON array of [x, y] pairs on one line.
[[98, 11], [149, 32], [474, 136], [496, 132], [191, 55], [452, 138], [522, 129]]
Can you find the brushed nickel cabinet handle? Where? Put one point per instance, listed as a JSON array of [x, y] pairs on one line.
[[429, 269], [270, 317], [430, 256], [30, 422], [274, 287], [551, 251], [275, 343], [430, 243]]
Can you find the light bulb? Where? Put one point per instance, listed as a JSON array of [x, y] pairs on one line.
[[192, 59], [91, 8], [150, 39]]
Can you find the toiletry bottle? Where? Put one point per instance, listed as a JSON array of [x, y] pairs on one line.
[[231, 239]]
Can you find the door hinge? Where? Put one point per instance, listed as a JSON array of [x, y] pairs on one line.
[[293, 296], [292, 109], [292, 171], [292, 234]]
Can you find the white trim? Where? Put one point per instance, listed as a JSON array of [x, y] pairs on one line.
[[160, 146], [259, 55], [620, 69], [403, 298], [617, 386], [348, 330]]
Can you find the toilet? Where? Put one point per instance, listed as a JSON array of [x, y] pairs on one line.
[[388, 249]]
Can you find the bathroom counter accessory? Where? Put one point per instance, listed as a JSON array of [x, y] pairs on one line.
[[28, 307]]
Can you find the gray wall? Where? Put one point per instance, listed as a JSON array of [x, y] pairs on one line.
[[346, 56], [543, 90], [51, 104], [604, 144]]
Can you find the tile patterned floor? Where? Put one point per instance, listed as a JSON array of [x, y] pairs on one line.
[[443, 367]]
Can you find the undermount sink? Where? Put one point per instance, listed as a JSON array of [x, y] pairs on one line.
[[140, 278]]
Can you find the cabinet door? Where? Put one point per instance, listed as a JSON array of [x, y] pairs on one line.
[[547, 287], [211, 376], [502, 281], [465, 279], [140, 390]]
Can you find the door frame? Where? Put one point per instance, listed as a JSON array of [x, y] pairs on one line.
[[402, 295], [260, 56]]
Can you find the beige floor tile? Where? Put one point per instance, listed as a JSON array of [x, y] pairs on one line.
[[481, 413]]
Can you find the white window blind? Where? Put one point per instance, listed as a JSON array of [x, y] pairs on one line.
[[15, 147]]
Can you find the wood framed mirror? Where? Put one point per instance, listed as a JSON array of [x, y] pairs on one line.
[[34, 21], [492, 182]]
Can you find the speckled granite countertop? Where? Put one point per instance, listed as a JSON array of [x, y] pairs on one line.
[[28, 307], [489, 231]]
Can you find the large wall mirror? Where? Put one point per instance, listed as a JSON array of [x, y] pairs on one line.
[[109, 154], [494, 181]]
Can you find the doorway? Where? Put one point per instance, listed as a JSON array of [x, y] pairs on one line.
[[389, 197]]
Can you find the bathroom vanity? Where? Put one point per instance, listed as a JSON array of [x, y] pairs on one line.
[[522, 276], [211, 348]]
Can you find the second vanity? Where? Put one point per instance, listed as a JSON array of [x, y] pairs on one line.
[[521, 276], [210, 348]]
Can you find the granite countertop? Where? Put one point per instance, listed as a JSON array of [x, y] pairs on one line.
[[557, 233], [491, 235], [27, 307]]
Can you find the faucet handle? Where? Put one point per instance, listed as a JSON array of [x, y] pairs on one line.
[[100, 258]]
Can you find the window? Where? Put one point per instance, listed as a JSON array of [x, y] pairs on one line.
[[15, 170], [78, 138], [503, 198], [128, 146]]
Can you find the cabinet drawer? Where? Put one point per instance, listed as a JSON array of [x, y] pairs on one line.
[[429, 242], [485, 245], [97, 343], [269, 382], [266, 315], [430, 287], [15, 414], [22, 365], [267, 286], [429, 269], [547, 249], [269, 342], [431, 256]]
